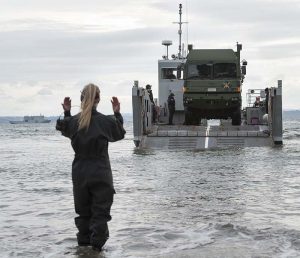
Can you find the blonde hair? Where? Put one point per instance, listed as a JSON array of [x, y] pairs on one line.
[[90, 97]]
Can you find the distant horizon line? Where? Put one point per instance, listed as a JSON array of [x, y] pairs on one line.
[[47, 115], [126, 114]]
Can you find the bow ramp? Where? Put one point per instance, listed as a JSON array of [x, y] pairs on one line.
[[205, 137], [257, 128]]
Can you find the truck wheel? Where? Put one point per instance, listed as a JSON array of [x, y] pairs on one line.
[[199, 121], [192, 119], [195, 119], [188, 118], [236, 118]]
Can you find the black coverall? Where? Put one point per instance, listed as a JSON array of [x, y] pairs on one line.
[[171, 107], [91, 174]]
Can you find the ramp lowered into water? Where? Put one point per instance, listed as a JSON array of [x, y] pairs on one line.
[[252, 132], [204, 137]]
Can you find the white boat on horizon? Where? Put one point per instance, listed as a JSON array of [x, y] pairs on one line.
[[32, 120]]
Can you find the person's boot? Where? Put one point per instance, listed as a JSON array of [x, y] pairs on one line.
[[83, 240]]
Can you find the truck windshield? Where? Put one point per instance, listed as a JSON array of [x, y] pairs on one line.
[[224, 70], [201, 71], [204, 71]]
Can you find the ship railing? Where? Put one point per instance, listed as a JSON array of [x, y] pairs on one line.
[[142, 112], [275, 113], [252, 95]]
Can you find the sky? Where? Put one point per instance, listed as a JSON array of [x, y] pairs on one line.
[[52, 49]]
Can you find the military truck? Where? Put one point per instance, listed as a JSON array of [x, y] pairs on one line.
[[212, 85]]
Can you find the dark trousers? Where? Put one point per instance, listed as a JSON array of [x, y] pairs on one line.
[[171, 114], [93, 197]]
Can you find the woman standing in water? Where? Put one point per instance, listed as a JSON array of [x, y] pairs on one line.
[[90, 132]]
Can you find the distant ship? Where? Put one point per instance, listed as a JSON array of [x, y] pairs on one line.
[[32, 120]]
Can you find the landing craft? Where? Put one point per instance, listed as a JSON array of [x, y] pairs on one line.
[[207, 85]]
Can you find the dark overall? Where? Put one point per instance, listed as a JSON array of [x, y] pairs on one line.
[[91, 174], [171, 107]]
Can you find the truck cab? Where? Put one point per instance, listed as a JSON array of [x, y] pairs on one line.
[[212, 85]]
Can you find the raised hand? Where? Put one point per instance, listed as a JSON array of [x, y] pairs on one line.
[[115, 104], [67, 104]]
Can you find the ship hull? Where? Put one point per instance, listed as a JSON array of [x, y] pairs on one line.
[[23, 122]]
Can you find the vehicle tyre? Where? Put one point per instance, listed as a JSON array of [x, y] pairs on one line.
[[187, 117], [236, 118]]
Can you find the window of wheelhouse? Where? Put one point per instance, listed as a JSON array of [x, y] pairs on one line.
[[169, 73]]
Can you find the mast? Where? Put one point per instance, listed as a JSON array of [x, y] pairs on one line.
[[180, 31]]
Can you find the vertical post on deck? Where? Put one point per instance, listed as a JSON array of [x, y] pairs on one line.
[[277, 114], [136, 114]]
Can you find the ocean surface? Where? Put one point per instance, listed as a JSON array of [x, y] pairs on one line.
[[239, 202]]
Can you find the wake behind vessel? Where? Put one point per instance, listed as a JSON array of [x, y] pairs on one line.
[[207, 84], [32, 120]]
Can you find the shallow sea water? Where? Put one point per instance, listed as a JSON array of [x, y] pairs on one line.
[[240, 202]]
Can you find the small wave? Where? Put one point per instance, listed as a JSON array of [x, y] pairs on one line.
[[22, 213], [67, 239], [46, 214], [46, 190], [291, 136]]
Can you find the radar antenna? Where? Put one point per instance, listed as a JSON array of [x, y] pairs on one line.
[[180, 31]]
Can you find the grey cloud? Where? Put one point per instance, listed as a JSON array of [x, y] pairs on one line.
[[69, 6], [45, 91], [52, 4], [280, 51], [60, 51], [65, 43], [236, 11], [38, 55], [28, 24], [249, 19], [25, 100]]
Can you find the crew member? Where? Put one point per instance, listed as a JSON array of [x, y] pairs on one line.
[[169, 74], [148, 88], [90, 132], [257, 102], [171, 107]]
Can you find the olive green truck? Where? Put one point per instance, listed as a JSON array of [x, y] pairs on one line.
[[212, 85]]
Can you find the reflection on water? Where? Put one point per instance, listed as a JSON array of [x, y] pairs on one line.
[[240, 202]]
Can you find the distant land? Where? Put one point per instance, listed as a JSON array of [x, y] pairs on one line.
[[6, 119], [287, 115], [291, 115]]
